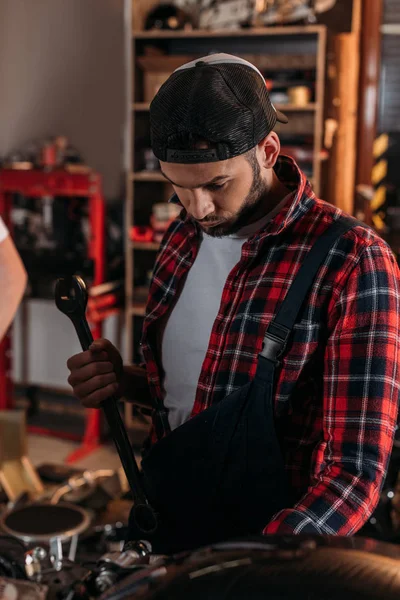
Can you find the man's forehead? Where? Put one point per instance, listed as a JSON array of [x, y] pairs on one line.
[[200, 173]]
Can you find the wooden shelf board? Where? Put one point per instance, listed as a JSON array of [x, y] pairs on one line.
[[205, 33], [145, 245], [144, 106], [138, 309], [295, 108], [141, 106], [148, 176]]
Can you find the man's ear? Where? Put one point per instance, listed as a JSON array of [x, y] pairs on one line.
[[269, 149]]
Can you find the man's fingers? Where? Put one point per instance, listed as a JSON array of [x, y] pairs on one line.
[[85, 358], [101, 345], [85, 389], [94, 399], [93, 376], [89, 371]]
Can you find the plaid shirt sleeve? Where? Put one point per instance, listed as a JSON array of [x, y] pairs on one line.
[[361, 392]]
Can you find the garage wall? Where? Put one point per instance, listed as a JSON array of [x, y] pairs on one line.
[[62, 72]]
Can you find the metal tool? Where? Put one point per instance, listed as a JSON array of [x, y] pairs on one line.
[[71, 299]]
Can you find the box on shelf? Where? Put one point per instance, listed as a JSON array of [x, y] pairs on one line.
[[163, 63], [166, 212], [156, 70], [163, 215], [152, 83]]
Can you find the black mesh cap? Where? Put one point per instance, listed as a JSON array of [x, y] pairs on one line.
[[220, 98]]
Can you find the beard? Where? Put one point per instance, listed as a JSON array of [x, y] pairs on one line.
[[250, 208]]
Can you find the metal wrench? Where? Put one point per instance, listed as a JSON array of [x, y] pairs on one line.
[[71, 299]]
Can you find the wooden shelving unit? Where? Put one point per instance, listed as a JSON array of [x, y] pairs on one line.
[[145, 106], [145, 245], [148, 176], [227, 33], [138, 310], [265, 47]]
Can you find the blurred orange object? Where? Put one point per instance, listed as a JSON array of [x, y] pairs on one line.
[[141, 233], [269, 83]]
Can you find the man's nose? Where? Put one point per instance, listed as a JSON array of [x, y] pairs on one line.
[[201, 204]]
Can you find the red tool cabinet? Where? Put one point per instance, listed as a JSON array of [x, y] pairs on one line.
[[36, 183]]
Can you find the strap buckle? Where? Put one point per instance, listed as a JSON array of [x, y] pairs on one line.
[[275, 341]]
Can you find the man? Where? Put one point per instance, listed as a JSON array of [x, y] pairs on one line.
[[282, 411], [13, 279]]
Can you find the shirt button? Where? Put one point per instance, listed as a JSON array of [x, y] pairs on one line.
[[207, 380]]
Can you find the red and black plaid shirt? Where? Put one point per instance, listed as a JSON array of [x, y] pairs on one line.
[[340, 376]]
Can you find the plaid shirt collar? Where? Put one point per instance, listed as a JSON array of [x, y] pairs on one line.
[[302, 199]]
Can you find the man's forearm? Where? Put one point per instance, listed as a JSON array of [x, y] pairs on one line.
[[135, 387], [13, 281]]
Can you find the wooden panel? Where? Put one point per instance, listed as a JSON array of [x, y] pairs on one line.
[[339, 18], [343, 84], [320, 96], [368, 89]]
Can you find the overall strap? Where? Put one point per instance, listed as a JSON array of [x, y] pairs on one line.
[[280, 328]]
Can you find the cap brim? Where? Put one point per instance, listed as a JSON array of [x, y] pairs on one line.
[[281, 117]]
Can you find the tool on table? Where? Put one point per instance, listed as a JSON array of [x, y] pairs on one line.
[[71, 299]]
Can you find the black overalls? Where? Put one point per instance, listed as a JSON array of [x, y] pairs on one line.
[[221, 474]]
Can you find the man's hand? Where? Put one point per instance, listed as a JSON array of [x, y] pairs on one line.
[[96, 374]]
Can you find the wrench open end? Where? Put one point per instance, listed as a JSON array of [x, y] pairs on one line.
[[71, 294]]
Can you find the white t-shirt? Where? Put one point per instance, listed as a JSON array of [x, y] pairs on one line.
[[3, 231], [187, 332]]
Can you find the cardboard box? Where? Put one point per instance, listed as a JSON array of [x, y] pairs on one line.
[[156, 70], [152, 83]]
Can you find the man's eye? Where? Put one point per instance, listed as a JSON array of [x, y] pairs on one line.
[[213, 187]]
